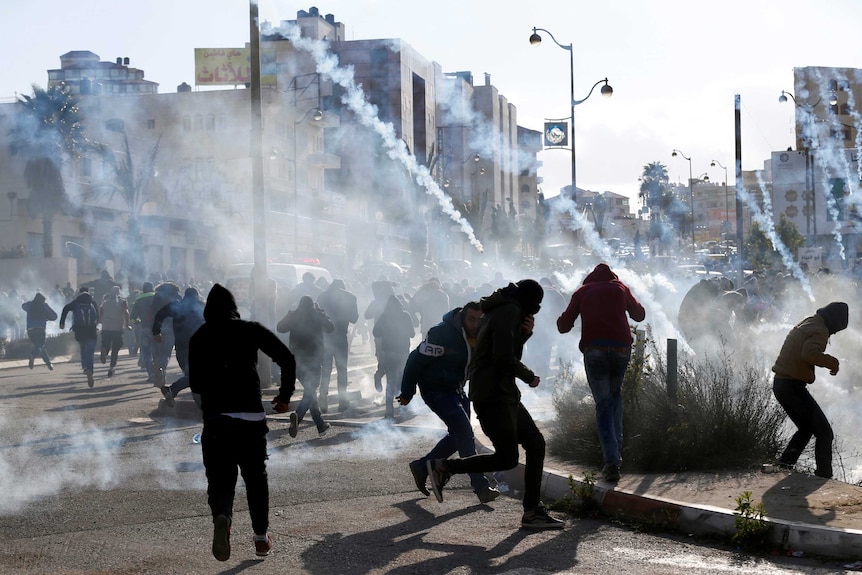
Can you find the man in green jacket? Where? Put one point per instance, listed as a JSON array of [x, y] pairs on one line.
[[803, 349], [506, 325]]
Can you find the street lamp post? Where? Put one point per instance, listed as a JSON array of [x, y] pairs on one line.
[[316, 115], [606, 91], [713, 164], [674, 154]]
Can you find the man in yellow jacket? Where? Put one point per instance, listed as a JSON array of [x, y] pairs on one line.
[[803, 349]]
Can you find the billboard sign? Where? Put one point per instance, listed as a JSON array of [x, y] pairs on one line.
[[231, 66]]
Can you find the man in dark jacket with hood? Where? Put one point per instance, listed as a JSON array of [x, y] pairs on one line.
[[340, 305], [439, 366], [187, 316], [143, 314], [606, 342], [803, 349], [38, 314], [223, 374], [85, 318], [506, 326]]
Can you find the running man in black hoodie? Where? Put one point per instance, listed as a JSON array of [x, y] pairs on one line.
[[223, 373]]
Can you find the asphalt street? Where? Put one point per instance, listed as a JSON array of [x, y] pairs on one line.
[[97, 481]]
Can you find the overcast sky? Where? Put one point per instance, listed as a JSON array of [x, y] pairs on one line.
[[675, 65]]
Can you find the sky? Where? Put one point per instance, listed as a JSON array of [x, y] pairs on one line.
[[675, 65]]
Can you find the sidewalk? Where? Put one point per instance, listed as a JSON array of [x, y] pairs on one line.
[[810, 515]]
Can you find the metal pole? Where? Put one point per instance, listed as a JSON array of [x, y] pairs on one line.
[[691, 198], [738, 132], [261, 281], [572, 99], [672, 370]]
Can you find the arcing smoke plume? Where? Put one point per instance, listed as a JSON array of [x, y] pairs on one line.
[[354, 98]]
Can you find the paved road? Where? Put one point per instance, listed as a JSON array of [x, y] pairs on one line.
[[95, 481]]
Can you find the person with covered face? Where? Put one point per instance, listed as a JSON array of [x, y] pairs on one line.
[[341, 307], [85, 321], [114, 315], [804, 349], [307, 325], [602, 302], [39, 313], [223, 376], [187, 316], [438, 365], [394, 330], [506, 325]]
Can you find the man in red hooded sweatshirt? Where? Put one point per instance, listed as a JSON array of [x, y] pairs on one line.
[[606, 342]]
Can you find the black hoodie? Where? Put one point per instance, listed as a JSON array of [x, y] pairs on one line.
[[223, 359]]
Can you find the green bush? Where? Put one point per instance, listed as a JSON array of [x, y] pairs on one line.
[[724, 417]]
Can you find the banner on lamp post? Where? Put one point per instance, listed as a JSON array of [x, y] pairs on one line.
[[556, 134]]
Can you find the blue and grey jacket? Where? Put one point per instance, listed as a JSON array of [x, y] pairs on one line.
[[441, 360]]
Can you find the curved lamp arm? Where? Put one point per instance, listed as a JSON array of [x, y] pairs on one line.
[[535, 39], [607, 91]]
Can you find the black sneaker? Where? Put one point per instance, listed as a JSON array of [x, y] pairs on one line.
[[221, 537], [321, 431], [439, 477], [32, 361], [111, 372], [487, 495], [169, 396], [538, 518], [294, 423], [611, 473], [90, 381], [420, 476], [378, 381]]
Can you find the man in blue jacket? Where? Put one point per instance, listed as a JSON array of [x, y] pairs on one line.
[[439, 367]]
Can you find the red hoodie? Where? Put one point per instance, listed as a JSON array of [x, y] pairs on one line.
[[602, 303]]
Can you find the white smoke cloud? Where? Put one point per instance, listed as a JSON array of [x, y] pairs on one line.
[[49, 454]]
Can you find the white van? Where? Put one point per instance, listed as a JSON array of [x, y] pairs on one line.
[[238, 280]]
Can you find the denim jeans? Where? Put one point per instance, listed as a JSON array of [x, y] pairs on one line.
[[335, 349], [309, 377], [37, 338], [112, 341], [453, 409], [182, 350], [605, 369], [806, 415], [88, 350]]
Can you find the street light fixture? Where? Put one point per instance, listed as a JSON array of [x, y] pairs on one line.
[[713, 164], [316, 115], [606, 91], [674, 154]]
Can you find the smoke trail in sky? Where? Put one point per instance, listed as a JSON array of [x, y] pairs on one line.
[[764, 219], [354, 98]]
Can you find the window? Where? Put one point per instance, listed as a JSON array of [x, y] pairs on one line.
[[199, 122], [840, 133], [836, 207], [151, 124], [87, 168], [187, 123], [210, 122]]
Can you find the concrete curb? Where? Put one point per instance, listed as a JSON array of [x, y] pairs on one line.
[[696, 519]]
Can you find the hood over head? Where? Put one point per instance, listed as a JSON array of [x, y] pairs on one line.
[[305, 303], [38, 298], [393, 304], [191, 293], [835, 315], [601, 273], [147, 287], [528, 293], [336, 285], [220, 305]]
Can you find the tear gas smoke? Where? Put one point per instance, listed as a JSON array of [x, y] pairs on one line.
[[354, 98]]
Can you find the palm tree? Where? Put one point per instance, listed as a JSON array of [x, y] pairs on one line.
[[48, 131], [132, 185], [655, 186]]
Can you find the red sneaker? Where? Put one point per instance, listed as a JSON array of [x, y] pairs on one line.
[[262, 545]]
